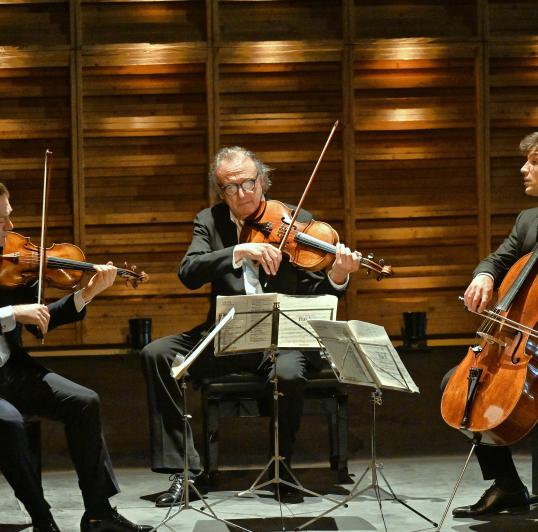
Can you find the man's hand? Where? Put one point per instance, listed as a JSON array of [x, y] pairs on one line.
[[103, 279], [478, 293], [33, 314], [346, 262], [267, 255]]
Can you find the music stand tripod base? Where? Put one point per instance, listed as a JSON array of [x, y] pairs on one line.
[[375, 469], [184, 502]]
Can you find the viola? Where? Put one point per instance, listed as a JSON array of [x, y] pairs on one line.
[[491, 395], [310, 246], [65, 264]]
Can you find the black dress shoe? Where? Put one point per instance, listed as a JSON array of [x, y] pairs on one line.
[[47, 525], [495, 500], [174, 496], [110, 522]]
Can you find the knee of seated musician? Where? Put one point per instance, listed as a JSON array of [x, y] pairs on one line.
[[290, 367], [446, 378], [158, 355], [11, 421]]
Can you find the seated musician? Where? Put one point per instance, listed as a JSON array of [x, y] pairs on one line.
[[27, 389], [215, 256], [508, 491]]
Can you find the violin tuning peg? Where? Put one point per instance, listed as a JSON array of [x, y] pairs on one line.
[[381, 262], [370, 255]]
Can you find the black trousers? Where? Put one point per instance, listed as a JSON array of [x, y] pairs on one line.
[[28, 389], [165, 396], [495, 461]]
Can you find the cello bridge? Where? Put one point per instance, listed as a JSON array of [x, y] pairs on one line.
[[492, 339]]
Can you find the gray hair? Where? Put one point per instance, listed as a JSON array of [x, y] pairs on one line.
[[528, 143], [230, 153]]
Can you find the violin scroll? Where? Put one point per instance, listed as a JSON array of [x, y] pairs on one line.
[[131, 276], [379, 267]]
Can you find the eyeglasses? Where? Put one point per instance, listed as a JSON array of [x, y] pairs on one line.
[[232, 189]]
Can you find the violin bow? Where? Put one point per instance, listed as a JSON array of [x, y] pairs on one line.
[[44, 212], [307, 188]]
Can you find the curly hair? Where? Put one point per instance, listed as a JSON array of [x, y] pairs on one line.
[[230, 153]]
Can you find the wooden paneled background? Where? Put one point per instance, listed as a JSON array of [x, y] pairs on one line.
[[134, 97]]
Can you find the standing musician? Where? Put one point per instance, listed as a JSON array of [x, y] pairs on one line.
[[27, 389], [508, 491], [215, 256]]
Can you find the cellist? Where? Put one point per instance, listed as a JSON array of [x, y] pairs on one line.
[[507, 493]]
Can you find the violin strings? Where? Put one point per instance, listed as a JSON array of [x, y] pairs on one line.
[[66, 263]]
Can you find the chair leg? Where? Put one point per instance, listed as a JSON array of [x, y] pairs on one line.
[[211, 437], [331, 408], [343, 421]]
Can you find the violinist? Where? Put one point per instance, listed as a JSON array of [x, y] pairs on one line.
[[507, 493], [28, 389], [216, 256]]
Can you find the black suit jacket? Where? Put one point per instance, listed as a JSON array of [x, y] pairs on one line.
[[210, 256], [61, 312], [521, 241]]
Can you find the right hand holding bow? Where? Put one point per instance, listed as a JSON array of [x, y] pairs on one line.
[[33, 314]]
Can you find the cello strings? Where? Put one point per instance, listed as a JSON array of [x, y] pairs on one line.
[[495, 317]]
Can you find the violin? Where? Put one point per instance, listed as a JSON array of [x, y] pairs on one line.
[[310, 246], [491, 396], [65, 264]]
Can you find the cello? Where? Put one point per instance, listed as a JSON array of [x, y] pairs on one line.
[[491, 395]]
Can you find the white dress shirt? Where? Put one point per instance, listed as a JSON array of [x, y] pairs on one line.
[[8, 323]]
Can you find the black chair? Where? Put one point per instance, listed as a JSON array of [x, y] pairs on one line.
[[238, 395]]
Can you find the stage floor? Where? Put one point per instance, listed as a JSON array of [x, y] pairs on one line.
[[423, 483]]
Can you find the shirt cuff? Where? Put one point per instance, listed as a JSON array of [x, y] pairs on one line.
[[79, 300], [339, 286], [236, 263], [7, 319], [486, 274]]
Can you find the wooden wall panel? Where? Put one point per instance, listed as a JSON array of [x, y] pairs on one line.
[[432, 18], [415, 180], [132, 96], [514, 109], [280, 20], [35, 116]]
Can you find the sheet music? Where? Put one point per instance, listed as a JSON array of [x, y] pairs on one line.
[[250, 331], [178, 369], [377, 362]]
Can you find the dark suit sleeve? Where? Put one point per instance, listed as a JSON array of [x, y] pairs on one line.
[[64, 311], [316, 283], [202, 264], [500, 261], [61, 312]]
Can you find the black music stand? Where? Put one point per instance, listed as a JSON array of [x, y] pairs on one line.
[[178, 372], [278, 461], [352, 366]]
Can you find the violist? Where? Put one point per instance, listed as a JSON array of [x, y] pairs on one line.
[[216, 257]]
